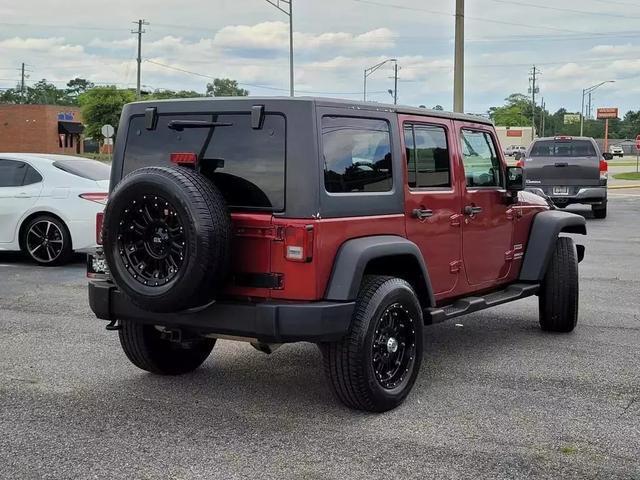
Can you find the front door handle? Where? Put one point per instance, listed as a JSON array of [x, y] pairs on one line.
[[422, 213], [472, 210]]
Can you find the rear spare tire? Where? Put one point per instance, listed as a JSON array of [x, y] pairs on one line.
[[166, 235]]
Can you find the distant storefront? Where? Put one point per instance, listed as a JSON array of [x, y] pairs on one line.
[[41, 129]]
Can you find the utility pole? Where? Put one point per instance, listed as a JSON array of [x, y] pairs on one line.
[[22, 85], [139, 32], [542, 106], [533, 90], [395, 84], [458, 69], [589, 107], [288, 11]]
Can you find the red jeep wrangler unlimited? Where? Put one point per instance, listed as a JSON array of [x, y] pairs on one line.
[[346, 224]]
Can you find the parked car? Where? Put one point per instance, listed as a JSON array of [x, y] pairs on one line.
[[511, 150], [346, 224], [616, 151], [569, 170], [48, 204]]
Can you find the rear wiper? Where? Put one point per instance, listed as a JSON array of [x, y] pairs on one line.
[[180, 125]]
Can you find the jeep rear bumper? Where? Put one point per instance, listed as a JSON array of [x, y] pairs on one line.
[[269, 321]]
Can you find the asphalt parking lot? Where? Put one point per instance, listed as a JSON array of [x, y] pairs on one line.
[[496, 397]]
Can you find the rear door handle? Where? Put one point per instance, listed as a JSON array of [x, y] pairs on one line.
[[472, 210], [22, 195], [422, 213]]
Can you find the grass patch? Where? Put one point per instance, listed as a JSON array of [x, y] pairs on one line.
[[569, 450], [101, 157], [627, 176]]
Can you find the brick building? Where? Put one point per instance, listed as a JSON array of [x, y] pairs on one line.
[[41, 129]]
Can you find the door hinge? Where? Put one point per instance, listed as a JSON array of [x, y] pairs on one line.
[[455, 219], [455, 266]]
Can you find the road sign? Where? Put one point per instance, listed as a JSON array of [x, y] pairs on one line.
[[638, 142], [107, 131], [606, 113]]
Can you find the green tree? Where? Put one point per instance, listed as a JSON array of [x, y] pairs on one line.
[[78, 86], [102, 105], [168, 94], [225, 87], [45, 93], [10, 95]]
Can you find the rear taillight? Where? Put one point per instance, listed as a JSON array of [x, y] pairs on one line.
[[99, 222], [298, 243], [184, 158], [98, 197], [604, 170]]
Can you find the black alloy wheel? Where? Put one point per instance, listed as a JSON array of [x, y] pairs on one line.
[[47, 241], [151, 240], [394, 345], [167, 238]]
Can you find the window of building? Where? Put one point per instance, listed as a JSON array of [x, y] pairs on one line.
[[428, 162], [481, 163], [357, 155]]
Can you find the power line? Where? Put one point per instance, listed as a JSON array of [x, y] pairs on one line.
[[479, 19], [266, 87], [568, 10]]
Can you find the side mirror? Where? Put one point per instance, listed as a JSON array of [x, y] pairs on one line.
[[607, 156], [518, 155], [515, 179]]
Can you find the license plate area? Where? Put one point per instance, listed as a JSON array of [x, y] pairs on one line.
[[560, 190]]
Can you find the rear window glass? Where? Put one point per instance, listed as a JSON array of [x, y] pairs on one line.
[[571, 148], [89, 169], [246, 164], [357, 155]]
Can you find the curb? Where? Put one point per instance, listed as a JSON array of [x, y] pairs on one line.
[[615, 187]]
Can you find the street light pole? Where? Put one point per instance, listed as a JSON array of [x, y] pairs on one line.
[[289, 12], [458, 69], [586, 91], [370, 70]]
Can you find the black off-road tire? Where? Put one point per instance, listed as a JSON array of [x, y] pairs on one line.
[[558, 296], [599, 211], [58, 232], [197, 208], [147, 349], [349, 363]]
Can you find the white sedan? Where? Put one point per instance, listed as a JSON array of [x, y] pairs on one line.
[[49, 203]]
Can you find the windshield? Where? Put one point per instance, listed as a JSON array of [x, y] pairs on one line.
[[84, 168], [562, 148]]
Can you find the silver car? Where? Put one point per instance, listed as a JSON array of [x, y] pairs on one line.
[[569, 170]]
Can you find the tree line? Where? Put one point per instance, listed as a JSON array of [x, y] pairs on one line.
[[518, 110], [102, 104]]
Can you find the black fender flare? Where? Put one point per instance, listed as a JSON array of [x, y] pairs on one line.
[[354, 255], [545, 229]]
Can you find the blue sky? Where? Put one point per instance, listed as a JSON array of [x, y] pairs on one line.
[[575, 44]]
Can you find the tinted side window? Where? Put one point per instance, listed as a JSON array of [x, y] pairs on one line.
[[428, 162], [12, 173], [32, 176], [481, 163], [357, 155]]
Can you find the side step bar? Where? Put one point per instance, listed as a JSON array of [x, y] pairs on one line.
[[466, 305]]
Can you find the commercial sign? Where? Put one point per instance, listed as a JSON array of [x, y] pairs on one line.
[[606, 113], [570, 118], [514, 133]]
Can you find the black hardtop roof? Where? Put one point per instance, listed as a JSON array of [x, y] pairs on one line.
[[337, 103]]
